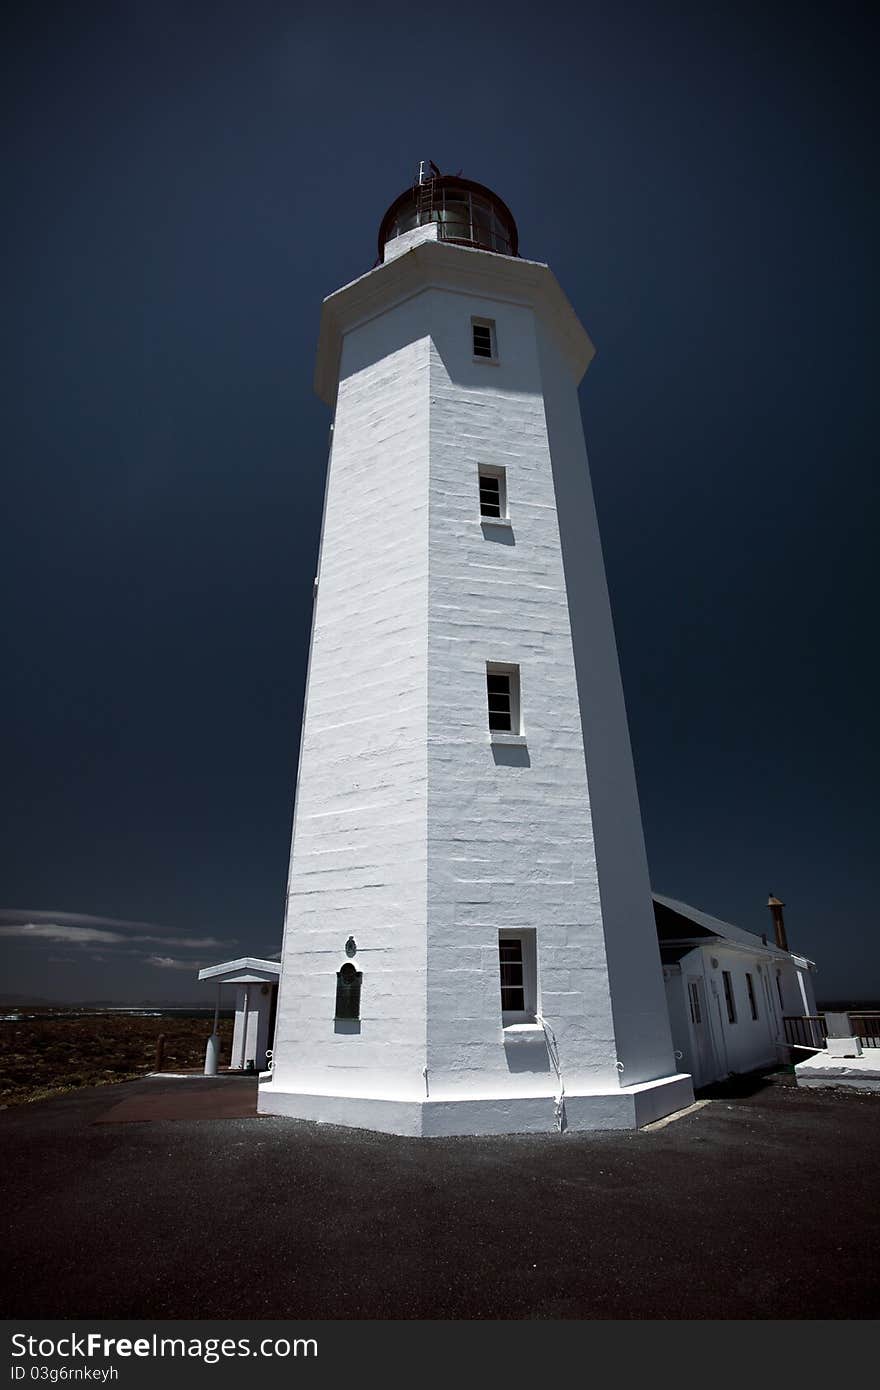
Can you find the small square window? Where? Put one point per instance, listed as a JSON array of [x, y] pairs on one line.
[[517, 959], [493, 492], [483, 331], [502, 688]]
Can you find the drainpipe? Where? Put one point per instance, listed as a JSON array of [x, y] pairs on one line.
[[776, 907]]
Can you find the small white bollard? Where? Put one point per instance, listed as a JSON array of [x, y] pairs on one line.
[[212, 1055], [840, 1041]]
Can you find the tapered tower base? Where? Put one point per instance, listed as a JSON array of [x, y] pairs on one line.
[[629, 1107]]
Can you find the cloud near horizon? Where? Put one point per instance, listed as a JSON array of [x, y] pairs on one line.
[[84, 930], [89, 936], [169, 963]]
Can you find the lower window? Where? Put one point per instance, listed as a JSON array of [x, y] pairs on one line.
[[348, 993], [502, 688], [517, 959]]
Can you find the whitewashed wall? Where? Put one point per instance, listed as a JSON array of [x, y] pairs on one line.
[[748, 1044], [798, 989], [250, 1031], [679, 1020], [509, 844], [411, 832], [358, 864], [641, 1024]]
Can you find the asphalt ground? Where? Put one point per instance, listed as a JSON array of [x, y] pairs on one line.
[[761, 1204]]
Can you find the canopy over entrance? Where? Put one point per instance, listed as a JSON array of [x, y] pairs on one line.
[[256, 984]]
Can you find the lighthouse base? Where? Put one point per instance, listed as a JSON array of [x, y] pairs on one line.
[[627, 1107]]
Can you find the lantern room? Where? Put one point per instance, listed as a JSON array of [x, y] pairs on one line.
[[466, 213]]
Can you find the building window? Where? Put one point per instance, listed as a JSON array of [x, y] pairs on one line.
[[493, 492], [502, 687], [348, 992], [728, 996], [779, 991], [517, 957], [483, 331], [694, 997], [753, 1003]]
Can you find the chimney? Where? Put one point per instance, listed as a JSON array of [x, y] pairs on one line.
[[776, 907]]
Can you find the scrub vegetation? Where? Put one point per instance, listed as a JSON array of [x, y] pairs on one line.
[[46, 1051]]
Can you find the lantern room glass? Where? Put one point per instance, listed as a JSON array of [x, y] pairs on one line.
[[461, 215]]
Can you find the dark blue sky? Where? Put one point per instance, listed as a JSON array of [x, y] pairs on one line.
[[184, 183]]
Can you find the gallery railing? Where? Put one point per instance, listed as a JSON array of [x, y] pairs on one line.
[[866, 1027], [807, 1031]]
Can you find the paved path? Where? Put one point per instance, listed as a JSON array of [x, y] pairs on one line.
[[193, 1097], [758, 1205]]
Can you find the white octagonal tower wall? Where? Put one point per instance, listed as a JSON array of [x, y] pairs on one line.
[[416, 832], [644, 1045], [510, 842], [358, 860]]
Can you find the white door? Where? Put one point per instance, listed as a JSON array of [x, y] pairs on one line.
[[703, 1060]]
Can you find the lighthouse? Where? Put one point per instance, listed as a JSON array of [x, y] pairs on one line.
[[469, 941]]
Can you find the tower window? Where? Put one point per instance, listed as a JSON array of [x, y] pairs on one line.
[[348, 992], [484, 338], [753, 1003], [728, 996], [517, 959], [502, 688], [513, 995], [493, 492]]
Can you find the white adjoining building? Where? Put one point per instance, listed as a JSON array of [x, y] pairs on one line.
[[730, 991], [469, 943], [256, 994]]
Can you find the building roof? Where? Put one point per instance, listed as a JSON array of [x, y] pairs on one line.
[[240, 971], [677, 921]]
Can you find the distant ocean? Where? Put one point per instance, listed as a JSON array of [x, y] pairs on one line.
[[25, 1014]]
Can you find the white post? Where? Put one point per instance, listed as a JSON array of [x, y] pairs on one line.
[[244, 1025], [212, 1051]]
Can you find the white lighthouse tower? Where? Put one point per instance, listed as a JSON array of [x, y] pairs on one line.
[[469, 943]]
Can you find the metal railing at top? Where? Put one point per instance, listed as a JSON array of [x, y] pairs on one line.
[[866, 1027], [807, 1031]]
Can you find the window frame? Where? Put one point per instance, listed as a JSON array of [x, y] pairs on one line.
[[499, 474], [504, 668], [528, 938], [693, 991], [729, 997], [492, 355], [753, 998], [348, 988]]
